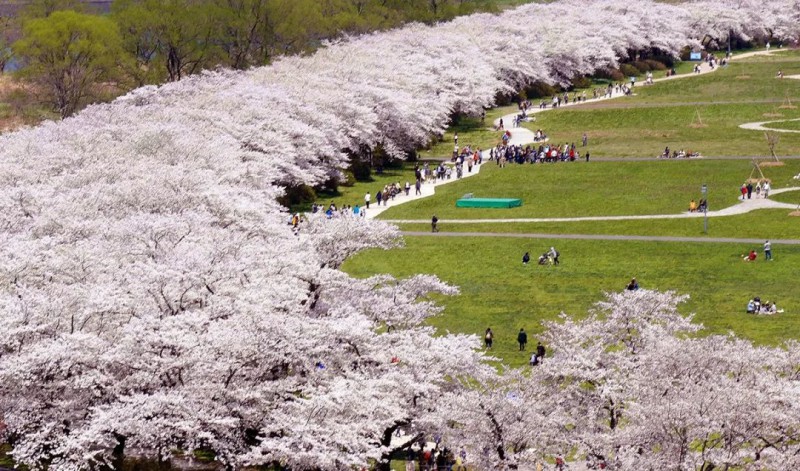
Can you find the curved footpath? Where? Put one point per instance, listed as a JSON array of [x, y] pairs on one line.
[[523, 136], [762, 126]]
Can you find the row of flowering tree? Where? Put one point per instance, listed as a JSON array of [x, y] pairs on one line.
[[152, 297]]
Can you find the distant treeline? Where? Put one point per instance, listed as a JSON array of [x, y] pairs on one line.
[[130, 43]]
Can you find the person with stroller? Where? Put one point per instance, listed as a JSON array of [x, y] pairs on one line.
[[544, 259]]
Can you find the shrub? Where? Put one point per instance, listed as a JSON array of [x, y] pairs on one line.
[[348, 179], [641, 66], [580, 81], [540, 90], [610, 74], [360, 169], [656, 65], [628, 70], [298, 195]]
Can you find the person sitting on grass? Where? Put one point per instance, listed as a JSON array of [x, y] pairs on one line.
[[751, 257], [692, 206], [751, 307], [633, 285], [526, 258]]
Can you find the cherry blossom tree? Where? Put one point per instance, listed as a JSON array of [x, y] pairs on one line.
[[153, 297], [635, 385]]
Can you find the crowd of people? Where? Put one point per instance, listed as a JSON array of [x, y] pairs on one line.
[[545, 152]]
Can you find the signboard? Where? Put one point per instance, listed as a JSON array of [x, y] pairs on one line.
[[695, 56]]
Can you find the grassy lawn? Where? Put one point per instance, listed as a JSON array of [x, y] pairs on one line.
[[795, 125], [501, 293], [471, 132], [576, 189], [645, 131]]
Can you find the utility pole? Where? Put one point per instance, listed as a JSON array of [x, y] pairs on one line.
[[704, 191]]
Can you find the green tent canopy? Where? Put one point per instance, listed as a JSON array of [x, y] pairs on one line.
[[488, 203]]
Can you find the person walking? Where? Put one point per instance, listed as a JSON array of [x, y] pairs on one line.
[[522, 339], [488, 338], [434, 222], [749, 190], [766, 189], [743, 190], [767, 251], [367, 197]]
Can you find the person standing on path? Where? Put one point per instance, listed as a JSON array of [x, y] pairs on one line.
[[749, 190], [488, 338], [434, 221], [766, 189], [743, 189], [367, 197], [767, 251], [418, 187], [522, 339]]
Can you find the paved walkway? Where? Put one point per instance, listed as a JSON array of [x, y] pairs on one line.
[[428, 189], [762, 126]]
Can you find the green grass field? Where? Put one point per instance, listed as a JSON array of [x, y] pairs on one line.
[[497, 291], [574, 189]]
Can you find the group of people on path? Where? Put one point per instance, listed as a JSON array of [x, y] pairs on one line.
[[331, 212], [761, 189]]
